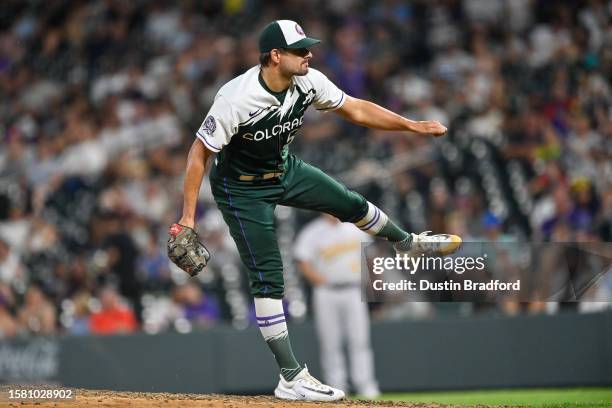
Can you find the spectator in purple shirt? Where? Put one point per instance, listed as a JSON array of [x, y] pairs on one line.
[[202, 310]]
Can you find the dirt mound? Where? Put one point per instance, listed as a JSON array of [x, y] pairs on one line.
[[92, 398]]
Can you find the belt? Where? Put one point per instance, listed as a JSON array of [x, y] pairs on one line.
[[264, 176]]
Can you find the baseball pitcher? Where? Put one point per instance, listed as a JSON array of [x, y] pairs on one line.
[[249, 127]]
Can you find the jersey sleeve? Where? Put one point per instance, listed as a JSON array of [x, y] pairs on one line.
[[304, 249], [219, 125], [328, 96]]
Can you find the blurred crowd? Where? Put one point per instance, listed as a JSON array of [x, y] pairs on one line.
[[100, 101]]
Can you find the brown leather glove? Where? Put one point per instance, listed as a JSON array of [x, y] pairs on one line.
[[185, 250]]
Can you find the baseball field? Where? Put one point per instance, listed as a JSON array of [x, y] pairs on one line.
[[541, 398]]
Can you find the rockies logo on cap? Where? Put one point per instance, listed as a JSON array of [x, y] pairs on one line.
[[284, 34]]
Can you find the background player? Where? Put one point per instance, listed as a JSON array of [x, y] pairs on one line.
[[329, 255], [252, 121]]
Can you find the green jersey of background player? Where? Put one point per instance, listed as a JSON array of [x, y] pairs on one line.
[[253, 120]]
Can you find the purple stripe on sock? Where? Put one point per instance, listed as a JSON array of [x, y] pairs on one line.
[[271, 317], [229, 197], [268, 323], [373, 221]]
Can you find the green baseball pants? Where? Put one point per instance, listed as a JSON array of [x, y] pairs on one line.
[[248, 210]]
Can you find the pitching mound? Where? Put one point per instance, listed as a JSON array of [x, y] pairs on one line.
[[91, 398]]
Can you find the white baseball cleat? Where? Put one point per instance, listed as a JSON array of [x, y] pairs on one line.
[[304, 387], [437, 244]]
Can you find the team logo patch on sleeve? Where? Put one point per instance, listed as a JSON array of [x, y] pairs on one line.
[[209, 126]]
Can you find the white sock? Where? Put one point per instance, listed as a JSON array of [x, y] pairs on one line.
[[271, 322], [270, 318], [374, 220]]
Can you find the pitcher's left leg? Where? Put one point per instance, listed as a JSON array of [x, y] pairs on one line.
[[309, 188]]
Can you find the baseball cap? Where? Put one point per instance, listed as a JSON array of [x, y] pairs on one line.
[[284, 34]]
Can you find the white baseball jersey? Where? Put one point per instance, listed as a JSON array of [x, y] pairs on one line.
[[334, 249], [254, 125]]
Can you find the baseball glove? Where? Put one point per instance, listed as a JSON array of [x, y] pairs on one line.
[[186, 251]]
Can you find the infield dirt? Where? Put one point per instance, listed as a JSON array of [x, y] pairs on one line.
[[93, 398]]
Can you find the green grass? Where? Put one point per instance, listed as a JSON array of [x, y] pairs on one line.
[[540, 398]]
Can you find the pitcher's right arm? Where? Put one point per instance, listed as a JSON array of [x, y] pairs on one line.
[[196, 167]]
